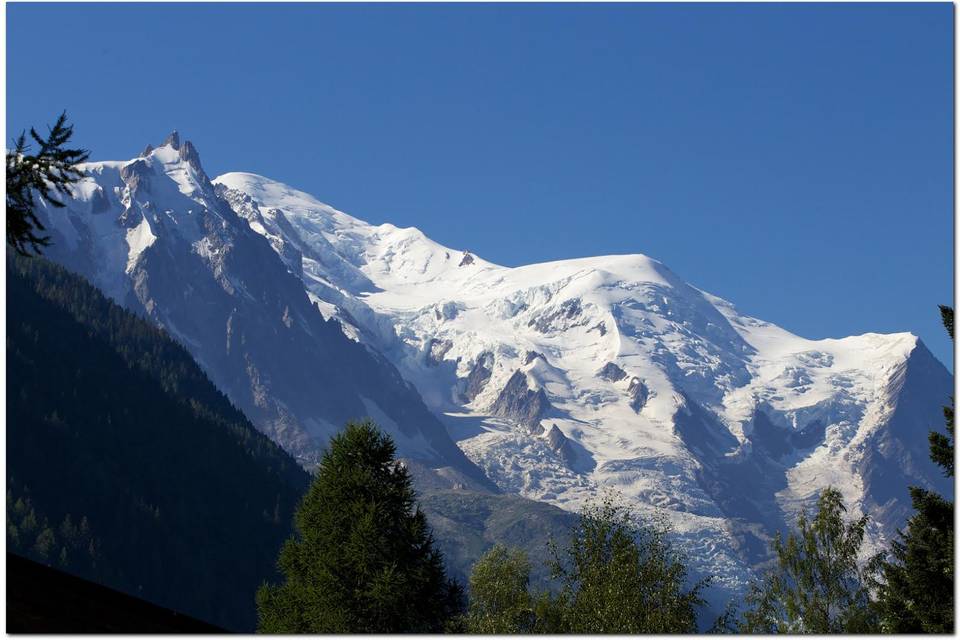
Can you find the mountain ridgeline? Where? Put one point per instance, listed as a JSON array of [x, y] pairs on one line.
[[155, 236], [125, 465]]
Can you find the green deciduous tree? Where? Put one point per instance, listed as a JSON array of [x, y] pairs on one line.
[[818, 585], [362, 558], [500, 601], [615, 576], [915, 589], [620, 576], [46, 173]]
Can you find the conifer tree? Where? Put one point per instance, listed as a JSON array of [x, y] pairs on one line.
[[47, 173], [818, 586], [941, 446], [916, 584], [361, 559]]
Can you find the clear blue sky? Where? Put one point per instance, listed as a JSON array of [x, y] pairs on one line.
[[794, 159]]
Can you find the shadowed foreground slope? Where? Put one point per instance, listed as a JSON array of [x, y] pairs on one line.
[[44, 600]]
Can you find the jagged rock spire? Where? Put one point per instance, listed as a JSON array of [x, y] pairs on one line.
[[188, 153], [146, 151], [173, 140]]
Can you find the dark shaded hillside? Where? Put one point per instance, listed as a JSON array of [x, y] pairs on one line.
[[125, 465], [45, 600]]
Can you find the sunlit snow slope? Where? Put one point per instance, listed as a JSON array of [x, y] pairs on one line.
[[565, 379]]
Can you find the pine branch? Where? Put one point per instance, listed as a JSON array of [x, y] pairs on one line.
[[946, 316], [48, 174]]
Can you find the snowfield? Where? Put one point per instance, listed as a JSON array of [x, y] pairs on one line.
[[652, 387]]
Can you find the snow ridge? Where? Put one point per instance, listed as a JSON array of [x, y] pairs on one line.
[[702, 393]]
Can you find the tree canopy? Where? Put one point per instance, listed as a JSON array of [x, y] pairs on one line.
[[818, 585], [500, 600], [615, 576], [362, 558]]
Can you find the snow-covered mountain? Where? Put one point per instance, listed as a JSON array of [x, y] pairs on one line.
[[561, 380], [154, 235], [558, 381]]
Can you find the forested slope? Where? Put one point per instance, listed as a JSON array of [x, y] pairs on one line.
[[125, 465]]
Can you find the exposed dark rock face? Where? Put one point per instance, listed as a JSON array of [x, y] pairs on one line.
[[530, 356], [173, 140], [601, 327], [478, 376], [289, 253], [436, 350], [521, 404], [561, 317], [571, 308], [134, 173], [247, 208], [561, 445], [467, 259], [612, 372], [188, 153], [446, 311], [638, 393]]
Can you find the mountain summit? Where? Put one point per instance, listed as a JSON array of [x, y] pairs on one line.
[[154, 234]]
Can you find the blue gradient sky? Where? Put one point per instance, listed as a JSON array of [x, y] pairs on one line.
[[794, 159]]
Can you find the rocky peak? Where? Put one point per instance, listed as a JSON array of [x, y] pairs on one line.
[[518, 402], [478, 377], [638, 394], [135, 173], [172, 140], [188, 153], [560, 445], [530, 356], [556, 438], [612, 372]]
